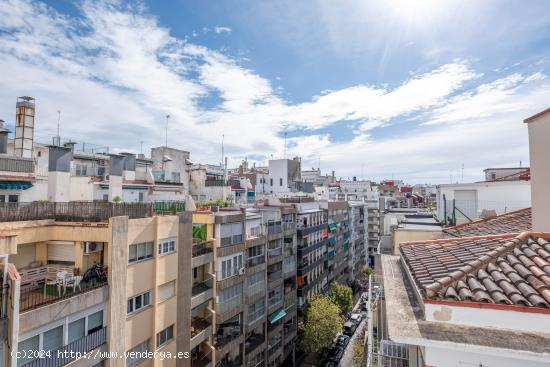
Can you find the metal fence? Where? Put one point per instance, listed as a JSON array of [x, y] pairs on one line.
[[33, 297], [23, 165], [85, 211], [71, 351], [461, 211]]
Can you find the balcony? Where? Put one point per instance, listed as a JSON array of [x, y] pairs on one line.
[[199, 359], [274, 276], [69, 353], [256, 288], [73, 211], [16, 165], [274, 228], [167, 177], [201, 329], [201, 292], [255, 261], [289, 226], [47, 288], [253, 342], [202, 253]]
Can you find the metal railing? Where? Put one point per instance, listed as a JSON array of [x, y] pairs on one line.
[[201, 249], [34, 297], [15, 164], [69, 353], [73, 211]]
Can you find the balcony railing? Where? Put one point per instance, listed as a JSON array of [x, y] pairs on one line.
[[15, 164], [73, 211], [253, 342], [256, 288], [202, 248], [200, 359], [71, 351], [257, 260], [289, 226], [276, 275], [275, 252], [35, 296]]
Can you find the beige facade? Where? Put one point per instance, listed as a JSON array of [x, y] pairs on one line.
[[137, 302]]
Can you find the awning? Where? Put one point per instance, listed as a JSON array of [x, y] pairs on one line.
[[332, 241], [15, 185], [346, 222], [276, 316], [332, 226], [330, 254]]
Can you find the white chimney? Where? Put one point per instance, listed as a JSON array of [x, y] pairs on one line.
[[59, 173], [116, 165], [539, 155]]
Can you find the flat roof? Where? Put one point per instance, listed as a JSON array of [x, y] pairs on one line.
[[406, 323]]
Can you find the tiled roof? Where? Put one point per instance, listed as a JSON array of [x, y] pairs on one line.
[[504, 269], [513, 222]]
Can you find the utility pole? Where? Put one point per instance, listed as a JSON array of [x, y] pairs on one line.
[[223, 137], [58, 120], [166, 132]]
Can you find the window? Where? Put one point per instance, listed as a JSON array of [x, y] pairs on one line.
[[255, 255], [256, 311], [167, 246], [13, 198], [140, 251], [166, 291], [95, 322], [39, 154], [255, 278], [280, 182], [105, 197], [230, 265], [138, 302], [165, 336], [231, 233], [77, 329], [53, 339], [137, 354], [230, 298], [141, 197], [29, 345]]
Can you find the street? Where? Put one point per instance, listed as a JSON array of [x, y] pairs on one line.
[[347, 358]]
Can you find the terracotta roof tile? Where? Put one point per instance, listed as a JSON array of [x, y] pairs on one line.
[[504, 269], [513, 222]]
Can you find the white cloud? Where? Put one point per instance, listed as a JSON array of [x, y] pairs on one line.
[[219, 30], [115, 73]]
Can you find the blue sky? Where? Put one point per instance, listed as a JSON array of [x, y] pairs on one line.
[[409, 89]]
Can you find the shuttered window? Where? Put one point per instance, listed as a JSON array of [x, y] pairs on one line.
[[61, 252], [166, 291]]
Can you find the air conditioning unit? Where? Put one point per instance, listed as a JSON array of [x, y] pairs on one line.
[[91, 247], [242, 271]]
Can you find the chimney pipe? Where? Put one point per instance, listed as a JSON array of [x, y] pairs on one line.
[[24, 126], [3, 138]]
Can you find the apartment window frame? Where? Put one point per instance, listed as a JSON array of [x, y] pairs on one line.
[[165, 336], [166, 246], [231, 233], [134, 309], [146, 249], [230, 265], [139, 351], [164, 298]]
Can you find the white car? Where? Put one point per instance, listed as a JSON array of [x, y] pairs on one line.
[[356, 318]]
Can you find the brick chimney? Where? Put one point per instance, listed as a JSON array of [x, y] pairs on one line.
[[539, 155]]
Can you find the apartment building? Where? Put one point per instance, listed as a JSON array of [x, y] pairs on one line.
[[283, 176], [252, 279], [84, 277], [338, 241], [312, 246], [358, 229]]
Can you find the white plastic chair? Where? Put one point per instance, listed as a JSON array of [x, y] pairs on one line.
[[73, 282]]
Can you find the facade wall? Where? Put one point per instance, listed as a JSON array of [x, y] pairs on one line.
[[539, 153]]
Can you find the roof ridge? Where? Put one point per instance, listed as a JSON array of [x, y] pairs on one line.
[[473, 266]]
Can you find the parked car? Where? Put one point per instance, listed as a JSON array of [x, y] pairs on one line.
[[349, 328], [335, 355], [342, 341], [356, 318]]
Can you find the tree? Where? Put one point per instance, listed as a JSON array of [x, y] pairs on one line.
[[322, 324], [368, 271], [342, 296], [358, 352]]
